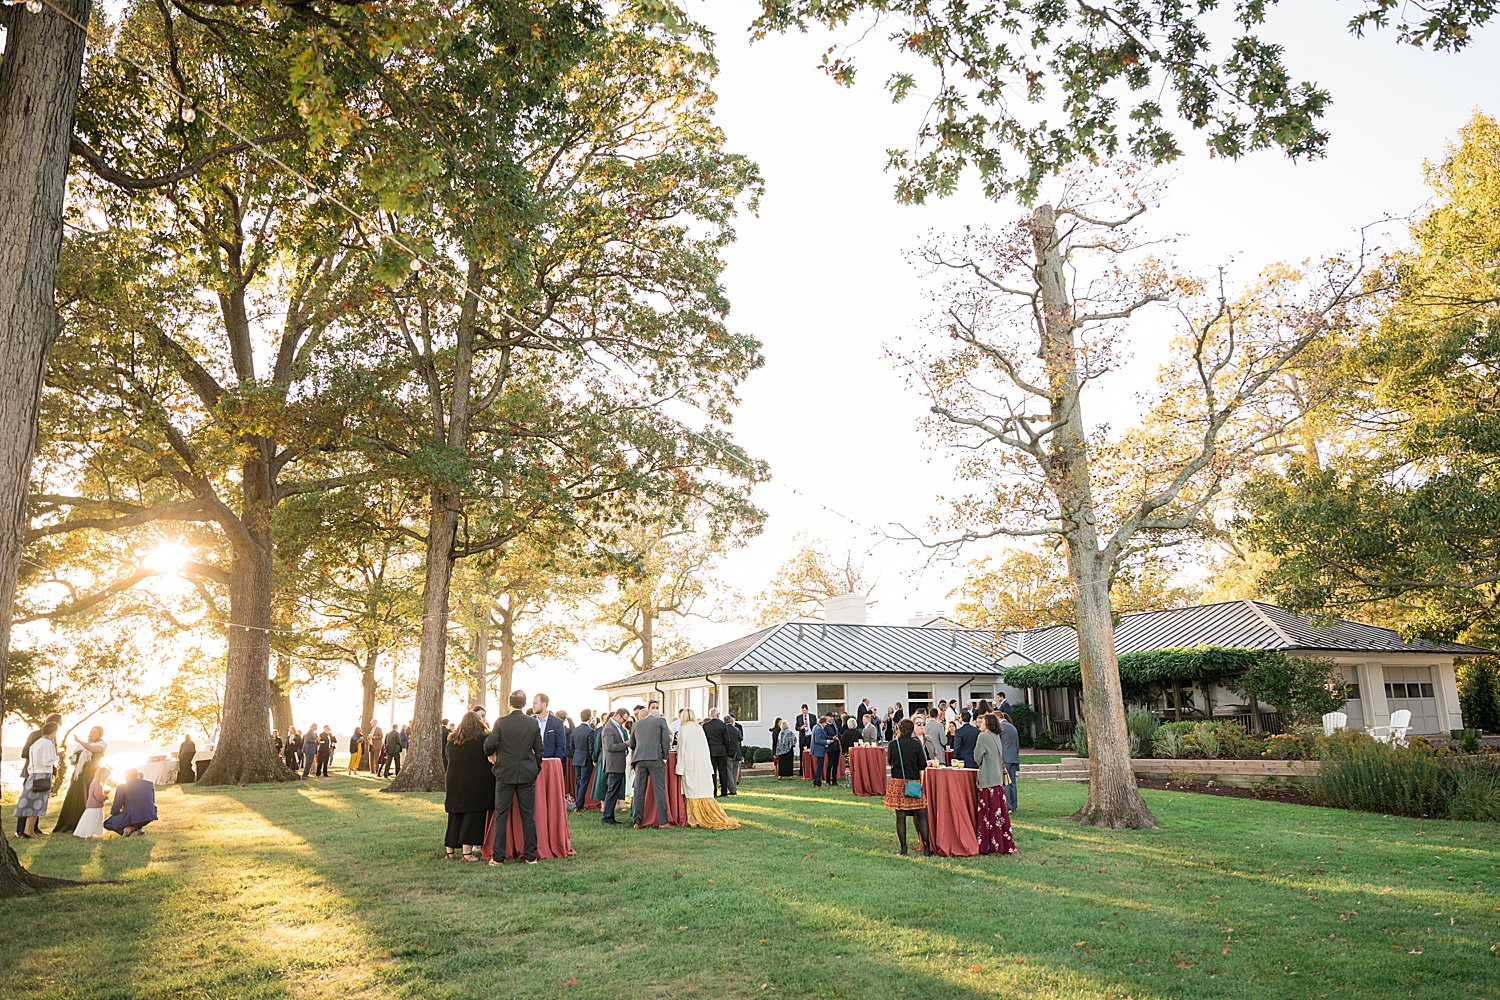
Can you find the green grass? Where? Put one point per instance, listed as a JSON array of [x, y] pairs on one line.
[[333, 890]]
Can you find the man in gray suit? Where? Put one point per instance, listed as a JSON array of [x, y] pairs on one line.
[[871, 732], [1010, 752], [650, 739], [616, 748]]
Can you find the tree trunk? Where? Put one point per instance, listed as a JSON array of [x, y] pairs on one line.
[[507, 657], [367, 684], [648, 651], [244, 754], [422, 766], [481, 662], [281, 695], [1114, 799], [38, 89]]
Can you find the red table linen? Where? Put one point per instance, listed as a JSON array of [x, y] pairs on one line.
[[551, 812], [676, 804], [838, 769], [867, 770], [952, 810]]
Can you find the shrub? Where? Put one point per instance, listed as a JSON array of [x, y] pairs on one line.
[[1044, 740], [1140, 723], [1183, 779], [1202, 741], [1361, 773], [1167, 740], [1022, 716], [1288, 746], [758, 755], [1469, 741], [1302, 689], [1081, 739], [1264, 787]]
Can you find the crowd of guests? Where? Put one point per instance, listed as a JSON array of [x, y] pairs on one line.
[[82, 811], [496, 768], [980, 735]]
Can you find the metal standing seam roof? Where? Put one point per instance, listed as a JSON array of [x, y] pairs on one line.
[[1243, 624], [816, 647]]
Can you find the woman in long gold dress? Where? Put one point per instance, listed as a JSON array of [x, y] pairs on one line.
[[697, 774]]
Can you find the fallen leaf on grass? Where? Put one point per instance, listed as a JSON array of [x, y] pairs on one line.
[[1181, 964], [1079, 944], [571, 981], [974, 968], [765, 940]]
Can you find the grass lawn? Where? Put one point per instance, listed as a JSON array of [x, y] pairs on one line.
[[332, 890]]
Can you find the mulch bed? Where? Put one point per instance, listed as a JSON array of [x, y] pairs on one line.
[[1296, 796]]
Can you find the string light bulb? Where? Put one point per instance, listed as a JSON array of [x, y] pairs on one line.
[[188, 114], [416, 264], [35, 6]]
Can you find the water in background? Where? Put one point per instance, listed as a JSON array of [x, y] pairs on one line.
[[120, 755]]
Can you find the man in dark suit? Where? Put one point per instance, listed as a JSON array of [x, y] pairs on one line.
[[863, 710], [392, 752], [714, 731], [554, 734], [965, 738], [616, 750], [651, 740], [819, 745], [834, 749], [515, 745], [804, 726], [581, 743]]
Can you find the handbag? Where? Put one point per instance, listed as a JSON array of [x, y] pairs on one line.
[[41, 783], [913, 789]]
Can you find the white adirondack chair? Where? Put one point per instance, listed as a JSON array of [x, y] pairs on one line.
[[1334, 720], [1396, 731]]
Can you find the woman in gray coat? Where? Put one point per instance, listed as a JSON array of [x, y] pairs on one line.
[[993, 826]]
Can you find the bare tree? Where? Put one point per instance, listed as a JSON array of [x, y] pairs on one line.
[[1036, 315]]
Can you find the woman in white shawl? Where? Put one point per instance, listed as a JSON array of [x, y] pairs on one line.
[[697, 773]]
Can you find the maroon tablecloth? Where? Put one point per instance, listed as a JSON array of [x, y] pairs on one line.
[[952, 810], [570, 775], [867, 770], [552, 837], [676, 804], [838, 769]]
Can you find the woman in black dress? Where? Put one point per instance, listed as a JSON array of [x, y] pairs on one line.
[[907, 759], [470, 789], [86, 757], [784, 747]]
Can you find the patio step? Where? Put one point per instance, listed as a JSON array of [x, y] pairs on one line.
[[1068, 769]]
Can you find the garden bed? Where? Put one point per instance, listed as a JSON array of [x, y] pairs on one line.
[[1295, 794]]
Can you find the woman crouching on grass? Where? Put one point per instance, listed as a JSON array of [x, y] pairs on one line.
[[908, 759]]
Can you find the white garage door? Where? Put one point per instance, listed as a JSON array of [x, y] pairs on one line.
[[1411, 688]]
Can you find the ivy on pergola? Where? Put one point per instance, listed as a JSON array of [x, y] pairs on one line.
[[1141, 669]]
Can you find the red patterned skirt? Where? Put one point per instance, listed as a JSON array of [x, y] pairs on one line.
[[896, 797], [994, 822]]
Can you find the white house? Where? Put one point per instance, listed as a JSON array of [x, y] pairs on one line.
[[830, 666]]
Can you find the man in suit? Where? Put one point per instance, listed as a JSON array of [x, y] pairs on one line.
[[804, 726], [392, 752], [734, 747], [863, 711], [834, 746], [714, 731], [1010, 753], [325, 751], [871, 732], [515, 745], [377, 744], [1004, 707], [616, 750], [581, 741], [651, 740], [819, 746], [935, 737], [550, 727], [309, 749], [965, 738]]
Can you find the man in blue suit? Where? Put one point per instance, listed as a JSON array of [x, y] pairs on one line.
[[554, 735], [583, 757], [965, 738], [819, 752]]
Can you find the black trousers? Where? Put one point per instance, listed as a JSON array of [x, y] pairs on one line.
[[392, 759], [464, 830], [721, 773], [525, 799], [830, 762], [613, 785]]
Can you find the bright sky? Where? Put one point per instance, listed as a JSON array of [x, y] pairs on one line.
[[819, 276]]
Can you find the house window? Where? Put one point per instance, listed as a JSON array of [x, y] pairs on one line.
[[981, 692], [1351, 692], [830, 699], [918, 701], [744, 703]]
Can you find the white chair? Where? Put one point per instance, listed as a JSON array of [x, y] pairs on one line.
[[1334, 720], [1396, 731]]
